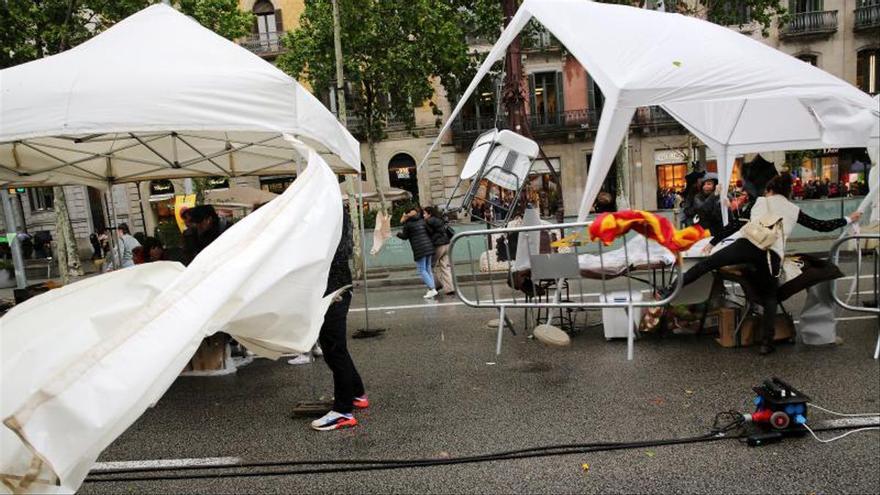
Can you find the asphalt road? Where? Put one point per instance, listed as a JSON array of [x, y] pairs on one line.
[[438, 390]]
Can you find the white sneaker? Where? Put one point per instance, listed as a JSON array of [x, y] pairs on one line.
[[301, 359], [334, 421], [430, 294], [317, 351]]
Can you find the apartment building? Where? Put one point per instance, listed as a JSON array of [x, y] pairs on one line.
[[839, 36]]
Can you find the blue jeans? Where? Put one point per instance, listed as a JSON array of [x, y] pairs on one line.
[[423, 266]]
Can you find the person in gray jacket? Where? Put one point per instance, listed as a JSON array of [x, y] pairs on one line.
[[415, 230]]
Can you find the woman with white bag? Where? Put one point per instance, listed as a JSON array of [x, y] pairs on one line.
[[760, 243]]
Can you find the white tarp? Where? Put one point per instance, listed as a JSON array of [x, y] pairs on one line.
[[157, 96], [735, 93], [71, 385]]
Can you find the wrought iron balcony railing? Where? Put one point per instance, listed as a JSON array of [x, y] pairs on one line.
[[264, 43], [867, 17], [556, 124], [811, 23]]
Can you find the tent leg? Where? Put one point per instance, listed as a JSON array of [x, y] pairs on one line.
[[366, 331], [115, 255], [12, 239]]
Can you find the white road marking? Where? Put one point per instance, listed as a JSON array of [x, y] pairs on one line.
[[164, 463]]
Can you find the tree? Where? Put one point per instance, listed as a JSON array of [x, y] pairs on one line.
[[33, 29], [392, 50]]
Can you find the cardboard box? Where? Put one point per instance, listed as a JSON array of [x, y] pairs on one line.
[[751, 329]]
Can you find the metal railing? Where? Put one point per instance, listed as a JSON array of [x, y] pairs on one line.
[[811, 23], [564, 289], [466, 130], [264, 43], [867, 17], [867, 261]]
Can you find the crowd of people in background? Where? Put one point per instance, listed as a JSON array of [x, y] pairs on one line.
[[669, 198]]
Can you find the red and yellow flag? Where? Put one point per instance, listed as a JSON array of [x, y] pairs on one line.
[[610, 226]]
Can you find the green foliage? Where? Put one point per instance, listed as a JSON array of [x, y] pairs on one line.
[[34, 29], [391, 51]]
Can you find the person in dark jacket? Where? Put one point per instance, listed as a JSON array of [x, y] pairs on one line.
[[440, 238], [416, 231], [348, 388], [204, 226], [705, 208]]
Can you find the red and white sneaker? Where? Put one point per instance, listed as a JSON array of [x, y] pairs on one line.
[[361, 402], [334, 421]]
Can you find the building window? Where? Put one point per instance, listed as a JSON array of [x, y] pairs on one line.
[[402, 174], [866, 71], [268, 26], [809, 58], [804, 6], [545, 89], [735, 12], [41, 198]]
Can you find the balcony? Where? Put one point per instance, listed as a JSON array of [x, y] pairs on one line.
[[867, 17], [806, 24], [266, 45], [583, 123]]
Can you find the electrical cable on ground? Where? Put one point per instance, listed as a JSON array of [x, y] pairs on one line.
[[829, 411], [719, 431], [829, 440]]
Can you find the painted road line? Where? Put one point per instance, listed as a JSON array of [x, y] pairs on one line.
[[111, 466]]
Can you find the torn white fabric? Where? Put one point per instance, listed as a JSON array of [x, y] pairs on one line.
[[80, 364]]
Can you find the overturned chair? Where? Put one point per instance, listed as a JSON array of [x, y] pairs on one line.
[[498, 159]]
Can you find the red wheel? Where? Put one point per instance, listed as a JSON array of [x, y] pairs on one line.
[[780, 420]]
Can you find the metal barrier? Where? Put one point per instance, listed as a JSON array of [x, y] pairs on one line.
[[539, 278], [871, 274]]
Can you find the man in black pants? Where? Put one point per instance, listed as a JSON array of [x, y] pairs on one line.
[[348, 388]]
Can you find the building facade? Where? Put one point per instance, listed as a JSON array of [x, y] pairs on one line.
[[841, 37]]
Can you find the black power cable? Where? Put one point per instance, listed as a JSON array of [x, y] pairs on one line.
[[718, 432]]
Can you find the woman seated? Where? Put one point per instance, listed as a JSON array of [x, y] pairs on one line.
[[766, 265]]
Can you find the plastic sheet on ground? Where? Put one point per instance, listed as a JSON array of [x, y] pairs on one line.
[[80, 364]]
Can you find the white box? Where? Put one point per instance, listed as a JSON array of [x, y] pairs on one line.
[[614, 320]]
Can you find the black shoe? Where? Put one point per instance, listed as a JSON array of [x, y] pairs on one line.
[[766, 349]]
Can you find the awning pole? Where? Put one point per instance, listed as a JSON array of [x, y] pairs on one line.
[[12, 239], [364, 253]]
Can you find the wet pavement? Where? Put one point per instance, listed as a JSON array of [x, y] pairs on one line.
[[438, 390]]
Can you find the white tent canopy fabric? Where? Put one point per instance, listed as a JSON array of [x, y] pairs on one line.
[[71, 385], [734, 93], [158, 96]]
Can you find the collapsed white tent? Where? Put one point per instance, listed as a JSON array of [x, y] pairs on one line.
[[734, 93], [157, 96], [71, 385]]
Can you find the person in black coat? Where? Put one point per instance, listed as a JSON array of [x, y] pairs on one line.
[[441, 260], [416, 231]]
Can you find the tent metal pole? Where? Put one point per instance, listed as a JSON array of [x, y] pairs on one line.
[[115, 254], [363, 253], [12, 239]]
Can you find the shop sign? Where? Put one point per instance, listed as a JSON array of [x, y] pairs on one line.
[[665, 157]]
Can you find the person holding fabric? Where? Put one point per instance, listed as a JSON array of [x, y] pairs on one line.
[[348, 388], [441, 261], [766, 263], [415, 230]]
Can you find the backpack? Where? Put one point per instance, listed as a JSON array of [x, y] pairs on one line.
[[450, 232]]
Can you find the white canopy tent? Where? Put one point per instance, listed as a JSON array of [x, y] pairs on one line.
[[158, 96], [734, 93]]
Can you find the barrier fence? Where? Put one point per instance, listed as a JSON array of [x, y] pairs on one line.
[[525, 271]]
